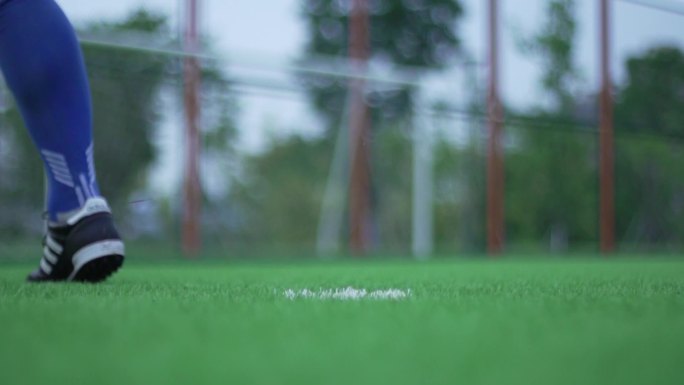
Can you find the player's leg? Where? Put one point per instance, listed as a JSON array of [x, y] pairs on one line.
[[43, 66]]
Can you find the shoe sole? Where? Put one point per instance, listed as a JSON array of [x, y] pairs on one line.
[[98, 270], [97, 261]]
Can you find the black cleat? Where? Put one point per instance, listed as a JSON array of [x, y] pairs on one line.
[[88, 249]]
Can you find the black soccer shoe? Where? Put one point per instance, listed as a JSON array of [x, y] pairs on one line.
[[88, 249]]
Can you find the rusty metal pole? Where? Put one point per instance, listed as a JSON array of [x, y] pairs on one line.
[[495, 167], [607, 174], [359, 126], [192, 195]]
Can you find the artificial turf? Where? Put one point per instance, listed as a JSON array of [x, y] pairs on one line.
[[466, 322]]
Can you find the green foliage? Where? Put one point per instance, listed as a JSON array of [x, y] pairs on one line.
[[279, 198], [125, 87], [652, 99], [459, 196], [649, 192], [551, 180], [391, 170], [22, 178], [281, 192], [552, 173], [551, 192], [649, 176], [415, 33], [554, 46], [418, 33]]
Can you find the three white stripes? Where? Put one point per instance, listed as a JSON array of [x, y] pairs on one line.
[[60, 169], [52, 244], [51, 251], [49, 255]]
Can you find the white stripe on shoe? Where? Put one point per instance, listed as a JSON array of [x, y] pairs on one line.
[[49, 255], [53, 245], [95, 251], [46, 267]]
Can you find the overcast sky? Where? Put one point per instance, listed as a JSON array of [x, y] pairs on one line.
[[274, 28]]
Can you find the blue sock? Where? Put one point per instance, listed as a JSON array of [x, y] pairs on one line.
[[43, 65]]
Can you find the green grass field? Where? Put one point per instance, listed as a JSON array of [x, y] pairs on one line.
[[466, 322]]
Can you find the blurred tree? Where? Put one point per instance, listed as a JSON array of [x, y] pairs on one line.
[[21, 184], [278, 199], [459, 194], [649, 172], [416, 33], [221, 161], [125, 86], [554, 47], [550, 190], [392, 159], [419, 33], [651, 100]]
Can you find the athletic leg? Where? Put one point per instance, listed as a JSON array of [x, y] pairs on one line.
[[42, 63]]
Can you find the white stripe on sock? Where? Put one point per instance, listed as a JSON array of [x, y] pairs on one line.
[[59, 167], [84, 184], [90, 157], [53, 155], [79, 195], [65, 181], [58, 164], [59, 170], [62, 174]]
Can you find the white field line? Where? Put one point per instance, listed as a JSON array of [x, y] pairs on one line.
[[348, 294]]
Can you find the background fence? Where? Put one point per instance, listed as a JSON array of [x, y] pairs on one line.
[[278, 160]]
